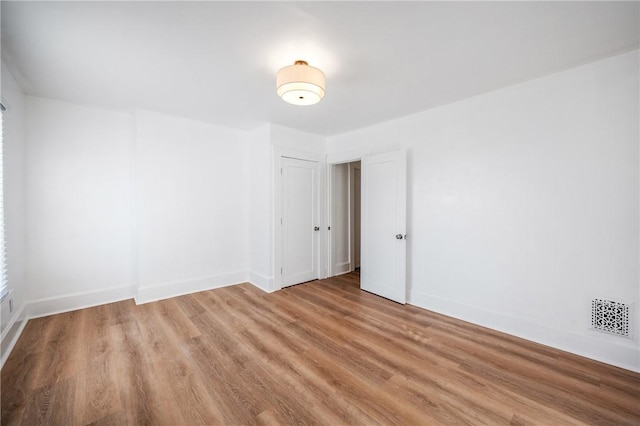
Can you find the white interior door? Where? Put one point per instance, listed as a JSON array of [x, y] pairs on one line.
[[383, 226], [300, 227]]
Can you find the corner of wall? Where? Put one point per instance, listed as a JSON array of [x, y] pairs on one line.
[[12, 333], [262, 282], [152, 293], [14, 141]]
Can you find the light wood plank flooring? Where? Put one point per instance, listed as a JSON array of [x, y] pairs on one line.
[[317, 353]]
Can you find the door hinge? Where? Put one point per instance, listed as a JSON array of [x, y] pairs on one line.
[[280, 221], [280, 271], [280, 170]]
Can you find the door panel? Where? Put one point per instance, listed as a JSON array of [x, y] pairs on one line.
[[383, 254], [299, 218]]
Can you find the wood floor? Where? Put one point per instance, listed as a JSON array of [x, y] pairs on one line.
[[317, 353]]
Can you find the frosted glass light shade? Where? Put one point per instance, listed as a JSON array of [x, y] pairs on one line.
[[300, 84]]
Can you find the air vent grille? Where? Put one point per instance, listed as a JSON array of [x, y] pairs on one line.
[[610, 316]]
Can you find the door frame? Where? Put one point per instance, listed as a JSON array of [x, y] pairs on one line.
[[352, 214], [350, 233], [278, 154], [333, 159]]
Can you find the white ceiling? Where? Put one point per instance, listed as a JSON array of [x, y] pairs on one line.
[[216, 61]]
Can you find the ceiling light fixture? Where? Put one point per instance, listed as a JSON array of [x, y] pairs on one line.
[[300, 84]]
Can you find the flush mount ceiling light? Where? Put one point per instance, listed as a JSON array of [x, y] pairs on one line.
[[300, 84]]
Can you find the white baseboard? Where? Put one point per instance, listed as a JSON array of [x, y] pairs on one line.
[[11, 334], [71, 302], [623, 354], [342, 268], [56, 305], [74, 301], [263, 282], [178, 288]]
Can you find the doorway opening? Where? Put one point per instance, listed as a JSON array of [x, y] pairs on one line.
[[383, 222], [345, 219]]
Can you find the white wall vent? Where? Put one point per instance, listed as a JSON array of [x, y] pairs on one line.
[[610, 316]]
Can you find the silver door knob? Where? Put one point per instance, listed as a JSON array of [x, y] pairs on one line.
[[399, 236], [316, 228]]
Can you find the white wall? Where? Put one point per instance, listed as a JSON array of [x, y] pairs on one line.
[[524, 205], [192, 222], [14, 207], [260, 208], [122, 205], [78, 203], [294, 140]]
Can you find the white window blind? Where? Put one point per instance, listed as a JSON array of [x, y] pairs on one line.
[[4, 289]]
